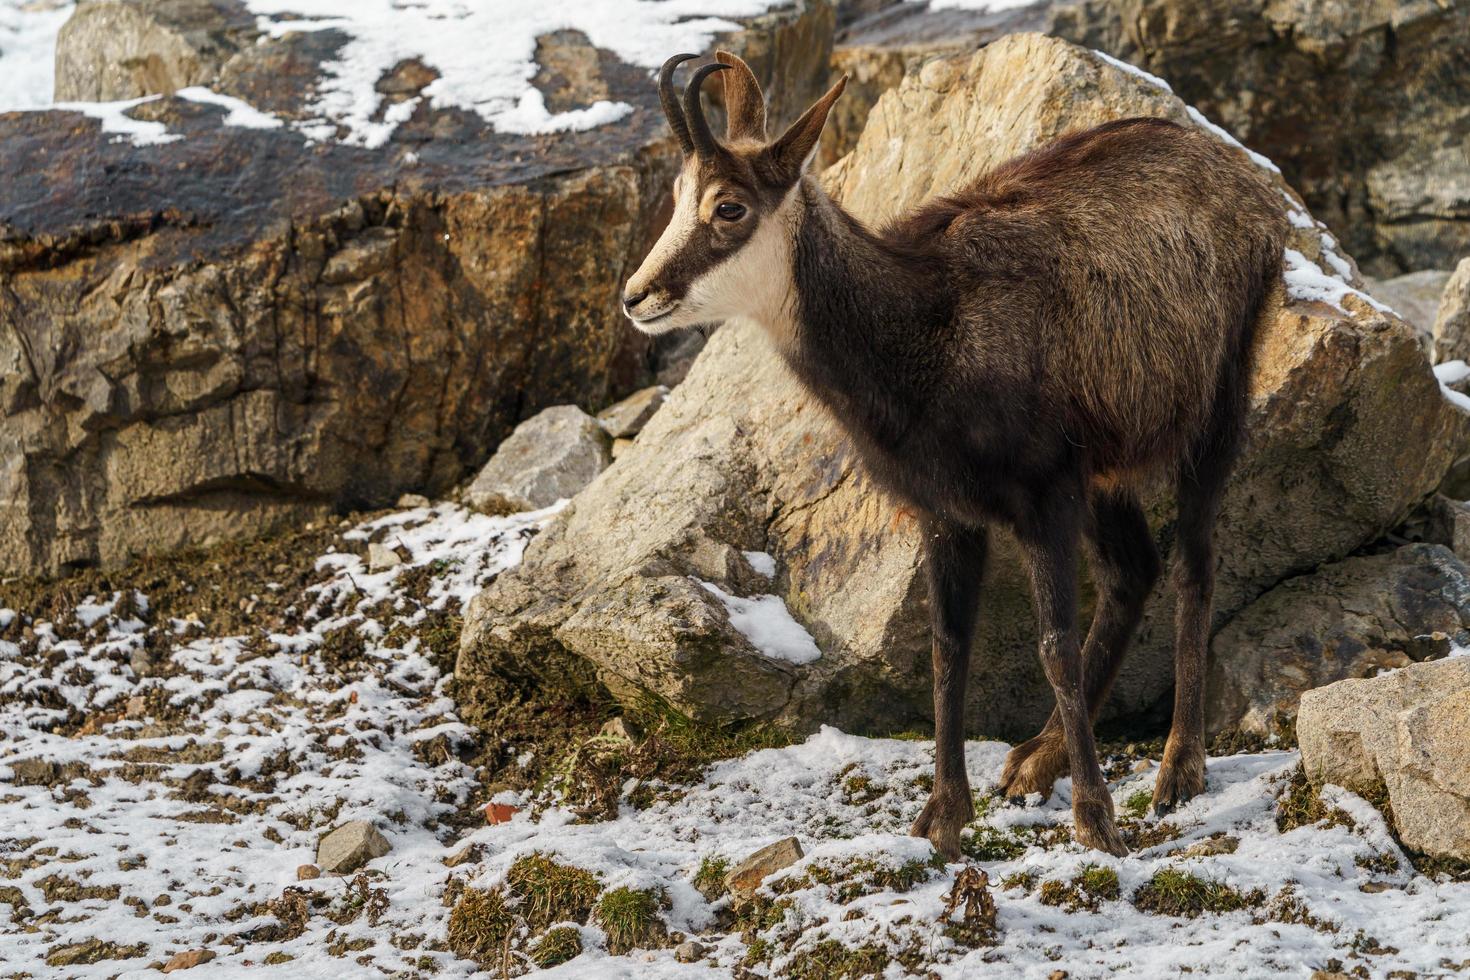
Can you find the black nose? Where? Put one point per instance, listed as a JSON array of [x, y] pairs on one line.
[[631, 300]]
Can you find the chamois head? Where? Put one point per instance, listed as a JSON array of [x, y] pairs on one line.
[[727, 249]]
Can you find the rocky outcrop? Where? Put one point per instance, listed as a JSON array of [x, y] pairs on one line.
[[549, 457], [1365, 106], [239, 328], [1452, 321], [1407, 732], [1351, 618], [110, 51], [740, 461]]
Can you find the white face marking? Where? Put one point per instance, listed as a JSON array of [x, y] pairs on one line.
[[755, 281], [680, 228]]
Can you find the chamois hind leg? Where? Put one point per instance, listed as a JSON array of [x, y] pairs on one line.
[[1049, 538], [956, 562], [1125, 567], [1200, 485]]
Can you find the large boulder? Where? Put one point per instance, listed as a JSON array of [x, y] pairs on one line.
[[211, 324], [1452, 319], [1407, 732], [741, 461], [1351, 618], [549, 457], [1365, 105]]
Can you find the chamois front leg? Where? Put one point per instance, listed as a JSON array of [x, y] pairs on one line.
[[1049, 540], [956, 562]]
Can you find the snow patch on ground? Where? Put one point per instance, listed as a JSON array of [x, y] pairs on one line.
[[983, 6], [765, 621], [279, 742]]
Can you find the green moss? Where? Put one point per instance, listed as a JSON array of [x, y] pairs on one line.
[[1137, 804], [479, 925], [710, 878], [557, 947], [855, 877], [987, 843], [859, 790], [833, 960], [630, 918], [1174, 892], [550, 892], [1087, 890], [1024, 880]]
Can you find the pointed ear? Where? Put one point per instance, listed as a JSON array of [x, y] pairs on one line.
[[790, 155], [744, 105]]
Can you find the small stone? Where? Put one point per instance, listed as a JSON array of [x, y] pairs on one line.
[[349, 847], [689, 952], [188, 960], [381, 557], [411, 500], [743, 879], [550, 456], [1143, 765], [465, 855], [620, 727], [306, 872], [621, 446], [1374, 887], [137, 706], [627, 418], [1211, 846], [1058, 975]]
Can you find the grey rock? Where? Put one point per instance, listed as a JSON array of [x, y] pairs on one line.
[[1414, 296], [348, 847], [1452, 324], [381, 557], [689, 951], [627, 418], [1351, 618], [740, 459], [743, 879], [1407, 732], [411, 500], [548, 457]]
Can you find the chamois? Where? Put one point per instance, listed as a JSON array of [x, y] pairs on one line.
[[1026, 351]]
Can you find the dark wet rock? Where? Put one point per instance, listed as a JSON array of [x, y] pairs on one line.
[[215, 336]]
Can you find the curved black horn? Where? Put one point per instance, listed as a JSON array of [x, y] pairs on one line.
[[704, 140], [671, 101]]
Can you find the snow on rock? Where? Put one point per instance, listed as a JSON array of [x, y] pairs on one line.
[[765, 621], [28, 31]]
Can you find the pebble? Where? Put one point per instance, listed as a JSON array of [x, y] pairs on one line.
[[188, 960], [306, 872], [689, 952]]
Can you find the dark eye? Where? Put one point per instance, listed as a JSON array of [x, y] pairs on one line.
[[730, 211]]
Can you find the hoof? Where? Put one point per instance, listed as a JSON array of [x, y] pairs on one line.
[[942, 821], [1181, 776], [1095, 826], [1034, 767]]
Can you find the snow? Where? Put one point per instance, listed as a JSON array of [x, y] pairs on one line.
[[331, 745], [28, 52], [766, 622], [115, 119], [239, 112], [763, 563], [1448, 373], [483, 52], [983, 6]]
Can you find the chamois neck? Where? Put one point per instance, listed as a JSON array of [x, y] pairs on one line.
[[860, 299]]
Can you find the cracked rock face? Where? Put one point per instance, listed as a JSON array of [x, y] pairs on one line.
[[740, 460], [1351, 618], [1407, 732], [238, 329]]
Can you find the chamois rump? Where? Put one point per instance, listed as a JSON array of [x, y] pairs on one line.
[[1024, 352]]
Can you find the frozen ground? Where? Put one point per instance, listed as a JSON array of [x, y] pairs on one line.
[[145, 815]]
